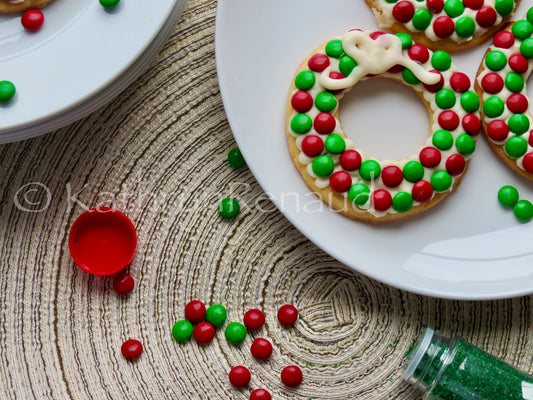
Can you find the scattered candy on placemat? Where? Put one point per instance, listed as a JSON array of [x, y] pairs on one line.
[[216, 315], [204, 332], [287, 315], [254, 319], [239, 376], [229, 208], [131, 349], [260, 394], [182, 330], [291, 376], [261, 349], [235, 158], [195, 311], [235, 332], [123, 284]]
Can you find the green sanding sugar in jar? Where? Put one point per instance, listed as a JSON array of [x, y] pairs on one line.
[[452, 369]]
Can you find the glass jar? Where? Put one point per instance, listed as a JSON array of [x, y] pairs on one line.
[[452, 369]]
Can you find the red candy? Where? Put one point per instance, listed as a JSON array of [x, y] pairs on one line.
[[123, 284], [318, 62], [422, 191], [340, 182], [498, 130], [492, 83], [291, 376], [518, 63], [382, 200], [504, 39], [530, 140], [448, 120], [204, 332], [419, 53], [287, 315], [301, 101], [260, 394], [350, 160], [32, 19], [435, 6], [460, 82], [391, 176], [254, 319], [336, 75], [437, 86], [312, 145], [517, 103], [195, 311], [324, 123], [528, 162], [261, 349], [240, 376], [486, 17], [430, 157], [443, 27], [131, 349], [473, 4], [403, 11], [455, 164], [471, 124], [374, 35]]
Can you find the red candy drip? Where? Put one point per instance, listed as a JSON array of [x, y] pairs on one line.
[[517, 103], [460, 82], [430, 157], [518, 63], [318, 62], [391, 176], [486, 17], [471, 124], [403, 11], [504, 39], [301, 101], [448, 120], [382, 200], [324, 123], [455, 164], [340, 182], [435, 6], [492, 83], [422, 191], [498, 130], [527, 162], [418, 52], [312, 145], [443, 27], [350, 160]]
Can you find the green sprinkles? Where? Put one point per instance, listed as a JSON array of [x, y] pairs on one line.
[[493, 107], [508, 196], [454, 8], [235, 158], [229, 208], [413, 171], [409, 77], [323, 166], [465, 27], [359, 194], [334, 48], [402, 202], [305, 80], [235, 332], [495, 60], [325, 101], [529, 15], [504, 7], [216, 315], [523, 210], [421, 19], [335, 144], [441, 180], [526, 48], [516, 147], [347, 65], [465, 144], [442, 139], [445, 99], [301, 123], [441, 61], [407, 41], [182, 331], [514, 82], [7, 91], [470, 101], [370, 170], [518, 124], [522, 29]]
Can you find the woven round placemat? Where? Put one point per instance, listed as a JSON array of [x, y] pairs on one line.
[[158, 153]]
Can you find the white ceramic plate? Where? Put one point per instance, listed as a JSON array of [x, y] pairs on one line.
[[81, 58], [467, 247]]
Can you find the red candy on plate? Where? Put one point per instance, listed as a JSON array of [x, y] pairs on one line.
[[32, 19]]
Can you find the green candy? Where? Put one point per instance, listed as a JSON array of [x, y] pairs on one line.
[[359, 194], [235, 332], [335, 144], [413, 171], [522, 29], [495, 60], [182, 331], [402, 202], [441, 180], [305, 80], [445, 99], [407, 41], [229, 208], [465, 144], [529, 15], [409, 77], [334, 48], [325, 101], [516, 147], [442, 140], [508, 196], [514, 82], [441, 61], [454, 8], [518, 124], [493, 107], [369, 170], [470, 101], [421, 19], [235, 158], [526, 48], [504, 7], [301, 123], [347, 65], [323, 166], [109, 3], [216, 315], [391, 1], [523, 210], [7, 90], [465, 27]]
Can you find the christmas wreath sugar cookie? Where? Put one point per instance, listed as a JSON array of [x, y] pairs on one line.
[[9, 6], [444, 24], [501, 86], [336, 169]]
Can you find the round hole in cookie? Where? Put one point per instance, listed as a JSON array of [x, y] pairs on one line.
[[385, 119]]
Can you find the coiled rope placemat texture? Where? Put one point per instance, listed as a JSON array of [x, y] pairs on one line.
[[158, 153]]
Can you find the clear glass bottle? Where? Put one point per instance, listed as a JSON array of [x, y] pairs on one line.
[[452, 369]]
